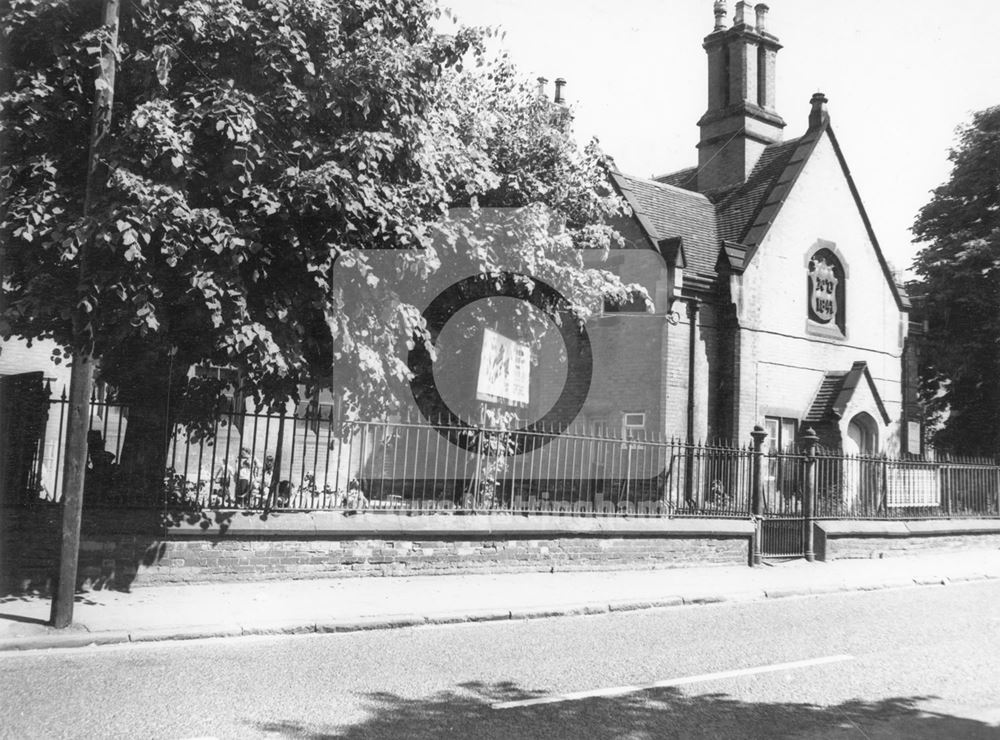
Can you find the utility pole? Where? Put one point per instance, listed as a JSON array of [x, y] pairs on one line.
[[82, 375]]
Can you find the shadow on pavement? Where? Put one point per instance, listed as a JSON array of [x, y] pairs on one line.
[[21, 618], [658, 713]]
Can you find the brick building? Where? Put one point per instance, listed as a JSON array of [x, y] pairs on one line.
[[772, 301], [774, 304]]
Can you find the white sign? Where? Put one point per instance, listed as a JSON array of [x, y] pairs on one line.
[[915, 485], [913, 437], [504, 370]]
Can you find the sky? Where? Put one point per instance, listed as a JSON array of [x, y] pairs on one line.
[[900, 77]]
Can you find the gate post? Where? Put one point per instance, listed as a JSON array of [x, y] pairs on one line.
[[809, 500], [756, 505]]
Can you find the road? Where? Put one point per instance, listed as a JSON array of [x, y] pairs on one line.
[[910, 663]]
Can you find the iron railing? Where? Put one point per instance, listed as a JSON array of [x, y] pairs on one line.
[[311, 459], [881, 487]]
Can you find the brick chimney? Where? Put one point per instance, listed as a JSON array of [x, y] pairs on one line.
[[560, 99], [741, 119]]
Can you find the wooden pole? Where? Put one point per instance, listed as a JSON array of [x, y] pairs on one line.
[[82, 374]]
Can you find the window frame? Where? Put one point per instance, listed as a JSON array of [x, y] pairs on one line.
[[628, 428], [785, 426]]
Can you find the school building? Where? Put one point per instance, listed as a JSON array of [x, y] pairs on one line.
[[773, 302]]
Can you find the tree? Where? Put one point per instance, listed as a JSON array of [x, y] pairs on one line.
[[959, 289], [254, 144]]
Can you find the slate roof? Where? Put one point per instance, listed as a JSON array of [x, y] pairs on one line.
[[835, 393], [738, 208], [726, 216], [722, 229], [822, 406], [668, 212], [682, 178], [743, 213]]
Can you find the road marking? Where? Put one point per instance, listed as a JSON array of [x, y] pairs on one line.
[[621, 690]]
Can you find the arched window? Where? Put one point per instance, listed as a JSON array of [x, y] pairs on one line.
[[826, 293]]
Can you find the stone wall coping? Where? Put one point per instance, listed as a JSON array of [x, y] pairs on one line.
[[340, 524], [911, 528]]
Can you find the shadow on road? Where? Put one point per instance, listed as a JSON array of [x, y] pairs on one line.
[[660, 713]]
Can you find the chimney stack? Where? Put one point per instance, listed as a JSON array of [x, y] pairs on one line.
[[560, 84], [542, 82], [741, 120], [819, 115]]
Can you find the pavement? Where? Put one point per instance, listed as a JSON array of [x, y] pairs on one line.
[[195, 611]]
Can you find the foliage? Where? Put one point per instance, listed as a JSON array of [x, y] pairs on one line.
[[254, 144], [959, 293]]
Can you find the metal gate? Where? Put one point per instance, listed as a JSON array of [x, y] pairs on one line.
[[782, 536]]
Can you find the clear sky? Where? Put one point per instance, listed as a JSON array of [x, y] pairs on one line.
[[900, 76]]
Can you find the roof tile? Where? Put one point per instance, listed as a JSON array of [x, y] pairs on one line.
[[673, 212], [822, 406]]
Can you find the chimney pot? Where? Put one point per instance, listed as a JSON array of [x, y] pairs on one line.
[[542, 82], [720, 15], [560, 84], [819, 113], [743, 17], [761, 9]]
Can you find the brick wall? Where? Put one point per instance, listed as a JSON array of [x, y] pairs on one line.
[[628, 347], [844, 548], [131, 549], [627, 354]]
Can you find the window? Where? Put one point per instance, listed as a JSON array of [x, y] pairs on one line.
[[826, 293], [634, 425], [780, 434]]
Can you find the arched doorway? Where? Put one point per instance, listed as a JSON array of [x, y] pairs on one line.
[[862, 435], [862, 471]]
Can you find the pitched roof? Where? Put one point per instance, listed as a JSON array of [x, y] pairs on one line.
[[686, 178], [733, 257], [835, 393], [744, 214], [668, 212], [822, 406], [727, 215], [769, 182]]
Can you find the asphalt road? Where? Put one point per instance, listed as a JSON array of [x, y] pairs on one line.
[[910, 663]]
